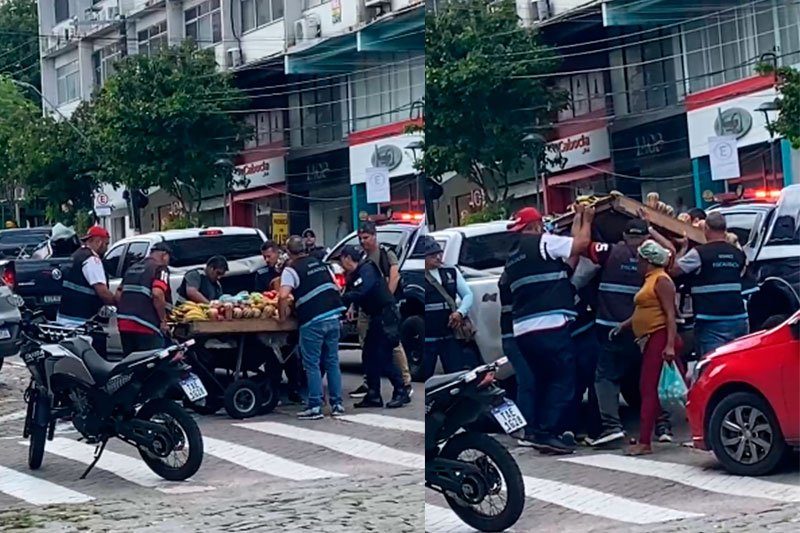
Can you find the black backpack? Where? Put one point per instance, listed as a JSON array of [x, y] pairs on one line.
[[384, 266]]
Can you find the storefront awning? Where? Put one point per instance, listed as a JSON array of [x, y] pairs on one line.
[[580, 174], [262, 192]]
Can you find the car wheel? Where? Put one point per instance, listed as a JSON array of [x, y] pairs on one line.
[[745, 436], [412, 335]]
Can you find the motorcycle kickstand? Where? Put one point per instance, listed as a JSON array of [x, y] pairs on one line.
[[97, 453]]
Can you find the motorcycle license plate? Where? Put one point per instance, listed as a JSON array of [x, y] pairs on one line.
[[509, 417], [193, 388]]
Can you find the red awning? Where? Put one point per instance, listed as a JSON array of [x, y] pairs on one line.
[[579, 174], [261, 192]]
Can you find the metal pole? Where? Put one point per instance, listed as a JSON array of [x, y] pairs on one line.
[[539, 191], [48, 102]]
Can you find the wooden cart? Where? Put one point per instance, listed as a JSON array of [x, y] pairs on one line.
[[242, 394]]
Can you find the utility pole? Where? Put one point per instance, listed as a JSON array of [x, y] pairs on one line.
[[123, 32]]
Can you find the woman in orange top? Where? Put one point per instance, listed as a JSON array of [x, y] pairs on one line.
[[656, 331]]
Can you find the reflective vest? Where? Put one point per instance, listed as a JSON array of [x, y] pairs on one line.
[[437, 310], [539, 286], [79, 300], [317, 295], [136, 303], [620, 280], [717, 287], [506, 308]]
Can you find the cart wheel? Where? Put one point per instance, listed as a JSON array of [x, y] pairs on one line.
[[271, 395], [212, 405], [243, 399]]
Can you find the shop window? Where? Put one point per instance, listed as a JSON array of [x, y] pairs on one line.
[[650, 77], [266, 128], [103, 61], [68, 81], [204, 23], [725, 48], [308, 4], [153, 39], [586, 94], [61, 10], [317, 114], [385, 94]]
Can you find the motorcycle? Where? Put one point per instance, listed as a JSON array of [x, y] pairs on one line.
[[127, 400], [453, 402]]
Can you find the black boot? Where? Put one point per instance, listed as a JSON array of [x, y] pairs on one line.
[[371, 400], [399, 399]]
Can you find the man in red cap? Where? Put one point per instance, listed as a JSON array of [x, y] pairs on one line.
[[543, 305], [85, 287]]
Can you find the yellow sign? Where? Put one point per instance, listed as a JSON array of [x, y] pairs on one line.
[[280, 227]]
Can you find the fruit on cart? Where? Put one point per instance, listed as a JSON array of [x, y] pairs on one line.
[[239, 307]]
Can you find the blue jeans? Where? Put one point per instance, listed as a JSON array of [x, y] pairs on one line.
[[319, 346], [711, 334], [551, 358], [526, 387]]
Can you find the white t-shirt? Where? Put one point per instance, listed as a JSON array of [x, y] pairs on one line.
[[552, 247]]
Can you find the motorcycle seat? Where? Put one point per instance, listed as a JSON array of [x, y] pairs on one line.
[[98, 367], [438, 381]]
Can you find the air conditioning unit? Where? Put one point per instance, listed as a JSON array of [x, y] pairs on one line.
[[234, 57], [542, 9], [307, 28]]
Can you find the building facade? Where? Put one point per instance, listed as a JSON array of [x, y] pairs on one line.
[[323, 76]]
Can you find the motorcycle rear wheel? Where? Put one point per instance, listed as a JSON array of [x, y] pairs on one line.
[[191, 435], [505, 463]]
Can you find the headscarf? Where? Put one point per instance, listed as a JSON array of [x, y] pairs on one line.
[[654, 253]]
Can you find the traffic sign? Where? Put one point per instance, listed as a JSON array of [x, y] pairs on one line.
[[102, 205]]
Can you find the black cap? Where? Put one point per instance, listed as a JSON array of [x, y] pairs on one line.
[[430, 246], [309, 233], [353, 251], [161, 247], [636, 227]]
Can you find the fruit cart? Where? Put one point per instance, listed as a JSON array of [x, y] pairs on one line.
[[238, 351]]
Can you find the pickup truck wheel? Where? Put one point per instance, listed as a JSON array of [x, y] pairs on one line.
[[412, 335]]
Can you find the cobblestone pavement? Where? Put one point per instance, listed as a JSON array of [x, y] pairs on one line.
[[676, 489], [270, 473]]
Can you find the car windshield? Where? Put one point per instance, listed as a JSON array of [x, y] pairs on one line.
[[484, 252], [392, 240], [23, 237], [785, 228], [197, 250], [741, 224]]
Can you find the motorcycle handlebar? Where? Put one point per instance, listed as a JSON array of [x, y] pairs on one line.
[[166, 352]]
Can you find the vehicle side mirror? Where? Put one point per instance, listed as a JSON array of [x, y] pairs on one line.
[[107, 311]]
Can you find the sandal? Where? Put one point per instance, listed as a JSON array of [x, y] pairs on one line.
[[638, 449]]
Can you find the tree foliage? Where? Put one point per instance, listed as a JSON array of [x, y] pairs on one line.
[[165, 121], [487, 87], [19, 45], [787, 123]]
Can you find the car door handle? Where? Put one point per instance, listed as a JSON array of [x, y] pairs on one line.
[[490, 297]]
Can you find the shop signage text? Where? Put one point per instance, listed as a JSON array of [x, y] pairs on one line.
[[390, 153], [577, 150], [651, 144], [261, 173], [737, 117]]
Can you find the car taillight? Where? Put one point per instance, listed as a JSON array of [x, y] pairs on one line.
[[486, 380], [9, 278], [211, 233]]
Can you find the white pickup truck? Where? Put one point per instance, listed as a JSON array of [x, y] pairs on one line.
[[191, 248]]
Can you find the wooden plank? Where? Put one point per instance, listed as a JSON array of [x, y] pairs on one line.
[[248, 325]]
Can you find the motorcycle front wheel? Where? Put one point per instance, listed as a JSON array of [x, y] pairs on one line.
[[184, 458], [37, 434], [498, 468]]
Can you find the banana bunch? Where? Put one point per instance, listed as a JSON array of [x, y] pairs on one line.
[[190, 312]]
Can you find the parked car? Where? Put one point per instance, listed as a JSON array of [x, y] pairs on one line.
[[9, 324], [744, 404], [21, 241], [772, 247]]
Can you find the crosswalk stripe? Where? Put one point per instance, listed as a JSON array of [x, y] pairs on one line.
[[263, 462], [693, 476], [18, 415], [362, 449], [386, 422], [37, 491], [441, 520], [596, 503]]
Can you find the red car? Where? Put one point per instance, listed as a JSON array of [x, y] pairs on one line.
[[744, 404]]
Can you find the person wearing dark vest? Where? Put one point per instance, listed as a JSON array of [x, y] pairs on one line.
[[312, 249], [367, 288], [267, 274], [389, 266], [619, 356], [317, 307], [716, 269], [440, 317], [203, 286], [144, 297], [84, 289], [542, 307]]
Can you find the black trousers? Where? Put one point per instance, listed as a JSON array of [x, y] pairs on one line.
[[140, 342], [378, 360]]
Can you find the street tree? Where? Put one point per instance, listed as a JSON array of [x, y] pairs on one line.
[[488, 86], [787, 123], [19, 45], [169, 121]]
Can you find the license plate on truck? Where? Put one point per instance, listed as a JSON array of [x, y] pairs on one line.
[[193, 388], [52, 299], [509, 417]]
